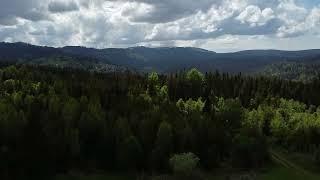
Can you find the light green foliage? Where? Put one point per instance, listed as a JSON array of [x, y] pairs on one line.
[[153, 84], [195, 76], [289, 122], [259, 119], [195, 81], [153, 78], [194, 106], [253, 119], [292, 106], [180, 105], [155, 89], [184, 164], [190, 106], [163, 93], [35, 87], [279, 127]]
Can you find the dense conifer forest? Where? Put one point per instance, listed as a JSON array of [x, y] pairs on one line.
[[53, 121]]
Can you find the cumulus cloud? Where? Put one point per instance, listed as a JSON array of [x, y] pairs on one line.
[[311, 23], [167, 10], [123, 23], [255, 16], [236, 19]]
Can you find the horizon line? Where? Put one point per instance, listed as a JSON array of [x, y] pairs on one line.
[[158, 47]]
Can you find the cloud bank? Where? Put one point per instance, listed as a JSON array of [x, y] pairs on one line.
[[124, 23]]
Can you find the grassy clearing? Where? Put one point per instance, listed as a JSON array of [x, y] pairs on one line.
[[282, 173], [290, 166], [304, 160]]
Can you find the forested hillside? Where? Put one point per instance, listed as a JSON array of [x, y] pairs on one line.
[[299, 71], [161, 60], [54, 121]]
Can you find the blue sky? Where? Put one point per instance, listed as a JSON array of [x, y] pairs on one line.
[[308, 3], [218, 25]]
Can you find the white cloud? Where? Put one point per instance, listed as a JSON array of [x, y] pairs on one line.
[[167, 10], [255, 16], [310, 24], [122, 23]]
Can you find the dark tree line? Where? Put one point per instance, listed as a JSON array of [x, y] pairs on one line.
[[57, 120]]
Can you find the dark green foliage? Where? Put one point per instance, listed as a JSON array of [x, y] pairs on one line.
[[250, 149], [57, 120], [163, 146], [130, 154], [317, 157]]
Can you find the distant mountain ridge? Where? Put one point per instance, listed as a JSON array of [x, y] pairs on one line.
[[163, 59]]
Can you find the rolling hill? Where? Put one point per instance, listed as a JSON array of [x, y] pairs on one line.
[[164, 59]]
